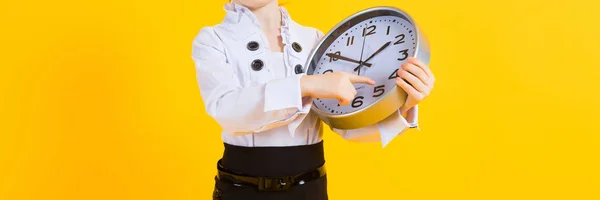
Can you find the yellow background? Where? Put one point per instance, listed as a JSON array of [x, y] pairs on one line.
[[98, 100]]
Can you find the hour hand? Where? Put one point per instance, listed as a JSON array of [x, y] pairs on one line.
[[336, 56]]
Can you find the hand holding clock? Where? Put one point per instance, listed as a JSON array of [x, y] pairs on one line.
[[417, 80], [414, 77]]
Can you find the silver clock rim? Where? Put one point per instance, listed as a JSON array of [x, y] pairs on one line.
[[384, 106]]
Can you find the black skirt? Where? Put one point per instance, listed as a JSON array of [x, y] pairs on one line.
[[272, 162]]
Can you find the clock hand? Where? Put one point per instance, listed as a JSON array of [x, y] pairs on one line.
[[379, 50], [376, 52], [336, 56], [362, 51]]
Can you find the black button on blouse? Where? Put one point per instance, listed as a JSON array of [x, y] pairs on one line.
[[296, 47], [252, 46], [298, 69], [257, 65]]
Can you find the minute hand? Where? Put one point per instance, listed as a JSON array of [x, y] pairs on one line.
[[376, 52], [347, 59]]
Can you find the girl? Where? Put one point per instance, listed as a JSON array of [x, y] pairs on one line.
[[250, 73]]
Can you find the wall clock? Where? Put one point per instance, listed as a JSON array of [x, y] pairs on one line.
[[372, 43]]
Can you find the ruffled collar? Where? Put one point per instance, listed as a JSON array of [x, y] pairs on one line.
[[241, 18]]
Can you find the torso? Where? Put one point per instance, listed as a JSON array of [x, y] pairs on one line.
[[278, 63]]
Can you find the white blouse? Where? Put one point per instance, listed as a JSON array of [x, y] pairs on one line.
[[254, 93]]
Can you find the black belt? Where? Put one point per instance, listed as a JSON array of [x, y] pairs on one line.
[[269, 183]]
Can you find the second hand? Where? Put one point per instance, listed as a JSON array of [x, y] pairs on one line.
[[362, 51]]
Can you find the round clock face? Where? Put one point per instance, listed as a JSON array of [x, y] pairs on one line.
[[374, 47]]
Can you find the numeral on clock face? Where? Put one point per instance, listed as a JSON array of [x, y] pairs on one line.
[[378, 91], [404, 55], [393, 75], [350, 41], [401, 40], [357, 102], [331, 59], [369, 30]]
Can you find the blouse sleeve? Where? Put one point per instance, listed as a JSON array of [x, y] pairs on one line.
[[384, 131], [242, 110]]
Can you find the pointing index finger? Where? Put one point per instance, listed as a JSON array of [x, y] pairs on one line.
[[360, 79]]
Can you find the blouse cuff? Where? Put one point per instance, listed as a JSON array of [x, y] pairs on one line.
[[391, 127], [412, 117], [283, 93]]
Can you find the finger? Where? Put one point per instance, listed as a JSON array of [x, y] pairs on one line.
[[416, 71], [350, 93], [414, 81], [343, 102], [346, 94], [410, 91], [422, 65], [360, 79], [342, 98], [345, 99]]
